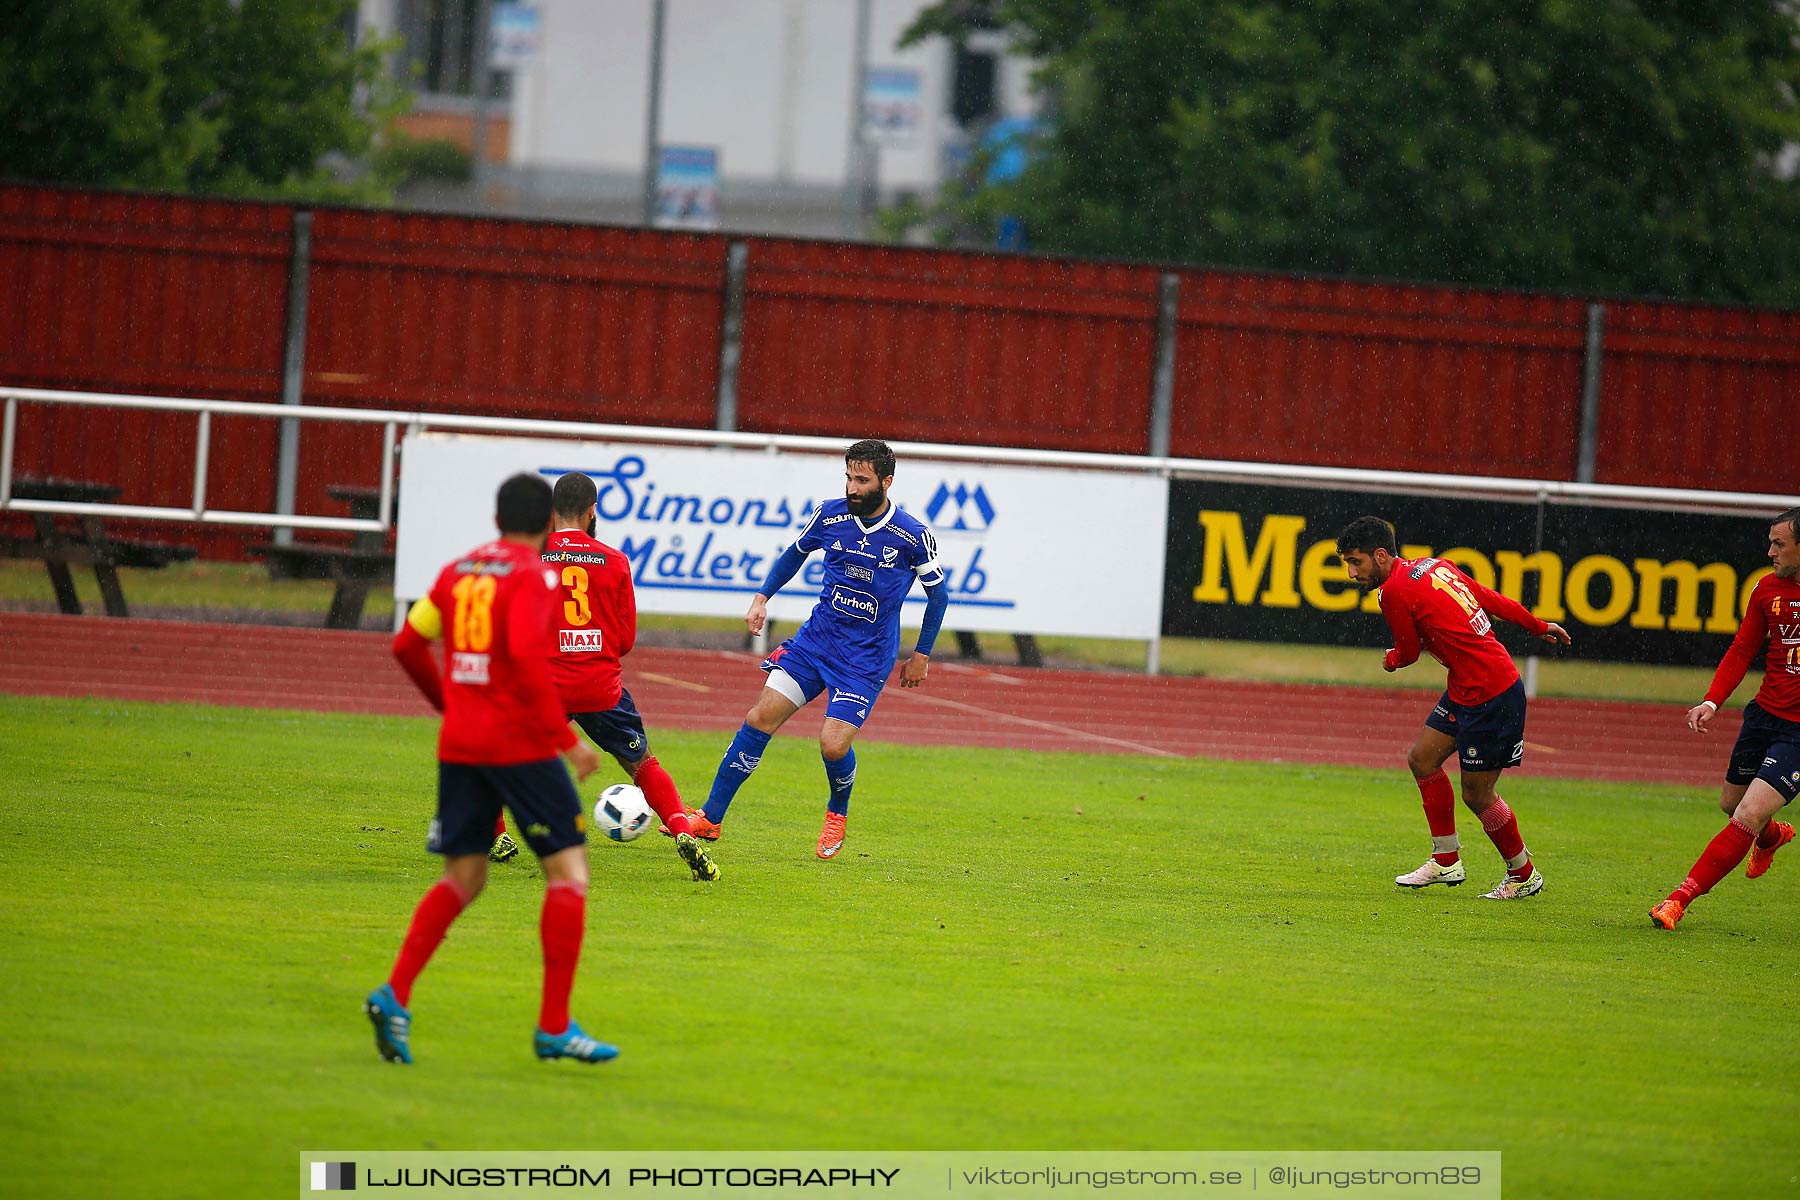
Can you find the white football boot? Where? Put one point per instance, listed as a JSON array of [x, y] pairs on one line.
[[1432, 873]]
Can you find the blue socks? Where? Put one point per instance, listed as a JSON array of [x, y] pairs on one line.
[[842, 775], [741, 758]]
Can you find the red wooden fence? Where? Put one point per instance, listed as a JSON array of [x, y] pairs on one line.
[[167, 295]]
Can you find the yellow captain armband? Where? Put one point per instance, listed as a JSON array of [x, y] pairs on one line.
[[425, 619]]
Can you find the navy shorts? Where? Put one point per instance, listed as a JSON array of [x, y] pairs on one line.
[[1489, 736], [1768, 748], [808, 674], [619, 731], [545, 807]]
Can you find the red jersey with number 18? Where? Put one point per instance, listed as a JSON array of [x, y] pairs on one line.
[[1431, 605], [492, 606], [596, 620]]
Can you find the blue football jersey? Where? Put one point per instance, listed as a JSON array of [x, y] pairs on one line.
[[869, 569]]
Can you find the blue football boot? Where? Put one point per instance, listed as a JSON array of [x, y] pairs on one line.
[[393, 1024], [572, 1043]]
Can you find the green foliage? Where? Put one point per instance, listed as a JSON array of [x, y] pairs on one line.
[[407, 157], [1609, 146], [1014, 952], [254, 98]]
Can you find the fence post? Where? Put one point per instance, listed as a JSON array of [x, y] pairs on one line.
[[1162, 378], [293, 372], [731, 338], [1587, 451]]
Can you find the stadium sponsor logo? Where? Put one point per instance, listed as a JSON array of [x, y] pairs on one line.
[[853, 603], [334, 1177], [468, 668], [578, 641], [1280, 570], [961, 508], [624, 494], [833, 520], [862, 573]]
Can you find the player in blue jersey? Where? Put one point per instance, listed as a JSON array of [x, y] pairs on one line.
[[873, 553]]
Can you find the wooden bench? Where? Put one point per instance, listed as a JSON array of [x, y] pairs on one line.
[[62, 541], [353, 568]]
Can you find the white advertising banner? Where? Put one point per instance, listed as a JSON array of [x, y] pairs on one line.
[[1025, 549]]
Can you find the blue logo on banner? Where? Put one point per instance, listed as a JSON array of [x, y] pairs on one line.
[[972, 510]]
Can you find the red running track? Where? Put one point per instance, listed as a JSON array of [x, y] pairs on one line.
[[256, 666]]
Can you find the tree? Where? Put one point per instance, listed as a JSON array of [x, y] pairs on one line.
[[1604, 145], [244, 98]]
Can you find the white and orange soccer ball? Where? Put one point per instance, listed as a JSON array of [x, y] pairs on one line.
[[622, 813]]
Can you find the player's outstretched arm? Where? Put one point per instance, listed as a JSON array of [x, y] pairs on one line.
[[780, 571], [1555, 634]]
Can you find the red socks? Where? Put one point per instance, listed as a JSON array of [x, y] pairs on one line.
[[500, 824], [430, 921], [1440, 813], [660, 791], [1719, 859], [1503, 830], [560, 928], [1770, 837]]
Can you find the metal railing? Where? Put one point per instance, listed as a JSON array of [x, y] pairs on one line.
[[1539, 491]]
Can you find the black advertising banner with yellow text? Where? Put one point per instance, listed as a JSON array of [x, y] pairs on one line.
[[1257, 563]]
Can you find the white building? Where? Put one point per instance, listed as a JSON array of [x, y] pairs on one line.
[[768, 85]]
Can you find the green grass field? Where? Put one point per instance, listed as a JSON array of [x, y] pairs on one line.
[[1014, 952]]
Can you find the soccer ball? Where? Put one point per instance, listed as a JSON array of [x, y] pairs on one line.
[[622, 813]]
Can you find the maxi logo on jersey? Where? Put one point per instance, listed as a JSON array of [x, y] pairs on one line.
[[578, 641]]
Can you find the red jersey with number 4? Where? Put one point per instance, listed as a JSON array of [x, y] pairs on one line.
[[596, 620], [1772, 623], [493, 610], [1432, 606]]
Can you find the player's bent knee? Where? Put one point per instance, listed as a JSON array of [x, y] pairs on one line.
[[1760, 802]]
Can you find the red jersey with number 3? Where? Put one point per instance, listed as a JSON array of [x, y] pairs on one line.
[[1772, 623], [596, 621], [500, 705], [1432, 606]]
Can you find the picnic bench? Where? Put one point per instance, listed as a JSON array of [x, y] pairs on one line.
[[62, 540], [354, 568]]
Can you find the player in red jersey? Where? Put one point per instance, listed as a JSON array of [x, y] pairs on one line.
[[1432, 606], [596, 626], [1764, 774], [503, 729]]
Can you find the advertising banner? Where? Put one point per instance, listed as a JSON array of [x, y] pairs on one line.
[[687, 187], [515, 35], [1260, 563], [892, 110], [1025, 550]]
